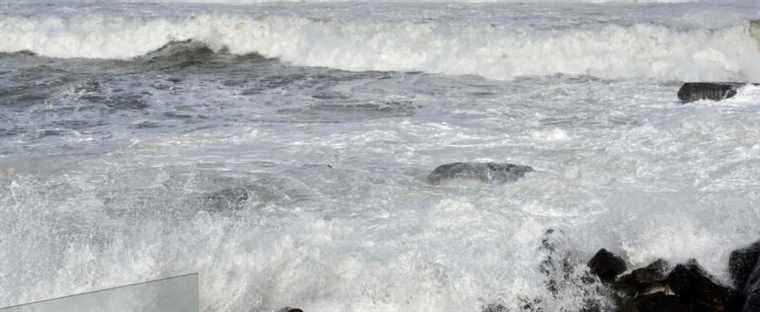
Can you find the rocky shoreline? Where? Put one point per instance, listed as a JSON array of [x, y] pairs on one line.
[[685, 287]]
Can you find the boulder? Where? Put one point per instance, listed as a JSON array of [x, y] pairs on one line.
[[751, 291], [695, 91], [699, 290], [606, 265], [657, 302], [495, 307], [226, 199], [488, 172], [644, 280], [741, 262], [289, 309]]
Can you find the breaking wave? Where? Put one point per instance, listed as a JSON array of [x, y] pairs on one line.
[[493, 51]]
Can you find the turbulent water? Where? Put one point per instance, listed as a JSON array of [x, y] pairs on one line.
[[281, 149]]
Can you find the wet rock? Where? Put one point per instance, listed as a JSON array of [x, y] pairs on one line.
[[698, 289], [644, 280], [695, 91], [741, 262], [657, 302], [488, 172], [556, 265], [751, 292], [494, 307], [179, 54], [226, 199], [606, 265]]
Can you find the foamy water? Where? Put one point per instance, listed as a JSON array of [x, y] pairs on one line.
[[116, 156]]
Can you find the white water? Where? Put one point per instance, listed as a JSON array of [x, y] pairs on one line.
[[620, 164], [497, 47]]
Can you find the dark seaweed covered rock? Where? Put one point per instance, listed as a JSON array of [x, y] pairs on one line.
[[698, 289], [488, 172], [644, 280], [606, 265], [695, 91], [742, 262]]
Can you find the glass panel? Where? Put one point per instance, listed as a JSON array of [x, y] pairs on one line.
[[173, 294]]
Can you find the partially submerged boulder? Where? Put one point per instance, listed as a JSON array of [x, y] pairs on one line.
[[716, 91], [656, 302], [698, 289], [488, 172], [646, 280], [226, 199], [750, 290], [606, 265], [742, 262]]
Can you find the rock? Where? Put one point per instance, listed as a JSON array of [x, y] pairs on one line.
[[742, 262], [606, 265], [226, 199], [488, 172], [289, 309], [751, 291], [494, 307], [556, 265], [644, 280], [179, 54], [657, 302], [695, 91], [698, 289]]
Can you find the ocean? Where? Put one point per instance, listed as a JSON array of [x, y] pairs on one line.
[[281, 150]]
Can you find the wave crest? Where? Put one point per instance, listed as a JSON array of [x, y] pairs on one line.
[[492, 51]]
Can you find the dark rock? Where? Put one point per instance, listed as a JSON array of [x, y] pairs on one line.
[[695, 91], [226, 199], [644, 280], [289, 309], [657, 302], [179, 54], [606, 265], [751, 291], [488, 172], [495, 307], [742, 262], [697, 288], [556, 265]]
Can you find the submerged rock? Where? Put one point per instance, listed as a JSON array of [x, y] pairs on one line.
[[488, 172], [226, 199], [695, 91], [494, 307], [606, 265]]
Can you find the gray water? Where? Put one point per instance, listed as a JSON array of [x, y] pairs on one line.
[[283, 151]]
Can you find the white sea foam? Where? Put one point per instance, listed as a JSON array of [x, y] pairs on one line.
[[339, 216], [493, 51]]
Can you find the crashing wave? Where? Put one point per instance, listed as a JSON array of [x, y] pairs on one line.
[[612, 51]]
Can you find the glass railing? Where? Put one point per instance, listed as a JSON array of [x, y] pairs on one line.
[[173, 294]]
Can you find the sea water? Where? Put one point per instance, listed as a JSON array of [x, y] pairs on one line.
[[281, 149]]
